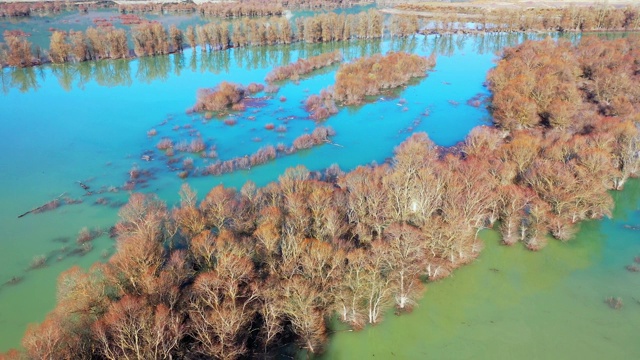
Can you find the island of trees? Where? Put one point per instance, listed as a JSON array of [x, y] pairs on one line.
[[367, 76], [241, 273]]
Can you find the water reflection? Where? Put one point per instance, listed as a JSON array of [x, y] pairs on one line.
[[149, 69]]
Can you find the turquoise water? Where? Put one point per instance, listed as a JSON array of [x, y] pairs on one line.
[[88, 123]]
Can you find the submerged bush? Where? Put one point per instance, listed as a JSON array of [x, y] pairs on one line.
[[219, 98], [369, 76]]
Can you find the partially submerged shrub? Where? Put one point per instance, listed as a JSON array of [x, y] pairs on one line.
[[84, 236], [197, 145], [303, 66], [369, 76], [614, 302], [319, 136], [321, 106], [219, 98], [38, 262], [255, 88], [165, 144]]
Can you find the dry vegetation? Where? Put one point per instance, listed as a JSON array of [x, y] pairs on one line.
[[303, 66], [220, 98], [151, 38], [369, 76], [489, 16]]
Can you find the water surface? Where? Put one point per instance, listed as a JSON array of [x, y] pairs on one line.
[[66, 124]]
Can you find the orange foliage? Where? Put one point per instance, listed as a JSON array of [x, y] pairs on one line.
[[219, 98], [369, 76], [303, 66]]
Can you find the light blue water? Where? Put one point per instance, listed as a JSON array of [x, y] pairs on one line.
[[89, 123]]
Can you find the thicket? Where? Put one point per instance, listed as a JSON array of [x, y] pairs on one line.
[[571, 18], [150, 38], [45, 8], [370, 75], [222, 9], [319, 136], [94, 44], [323, 4], [558, 85], [367, 76], [250, 8], [220, 98], [303, 66], [17, 50]]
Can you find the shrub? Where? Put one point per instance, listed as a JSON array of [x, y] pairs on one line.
[[303, 66], [219, 98], [165, 144], [369, 76], [255, 88]]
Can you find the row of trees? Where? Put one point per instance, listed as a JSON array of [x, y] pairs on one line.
[[571, 18], [333, 27], [150, 38], [319, 136], [303, 66], [93, 44], [230, 9], [45, 8], [219, 9], [319, 28]]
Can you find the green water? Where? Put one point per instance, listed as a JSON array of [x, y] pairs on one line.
[[88, 122], [515, 304]]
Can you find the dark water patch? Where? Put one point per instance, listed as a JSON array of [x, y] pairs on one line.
[[61, 239]]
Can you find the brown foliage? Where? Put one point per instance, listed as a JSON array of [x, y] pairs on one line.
[[553, 83], [59, 50], [219, 98], [576, 17], [369, 76], [19, 51], [151, 39], [303, 66]]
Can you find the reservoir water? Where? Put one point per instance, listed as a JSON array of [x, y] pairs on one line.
[[75, 125]]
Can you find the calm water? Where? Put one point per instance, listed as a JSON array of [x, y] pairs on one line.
[[515, 304], [89, 123]]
